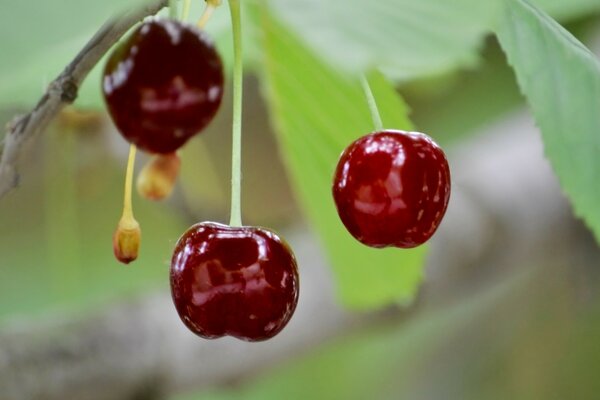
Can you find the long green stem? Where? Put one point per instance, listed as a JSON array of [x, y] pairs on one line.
[[372, 104], [173, 9], [187, 4], [236, 151], [208, 12]]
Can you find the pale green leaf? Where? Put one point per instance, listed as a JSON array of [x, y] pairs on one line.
[[318, 112], [561, 80], [405, 38], [568, 9]]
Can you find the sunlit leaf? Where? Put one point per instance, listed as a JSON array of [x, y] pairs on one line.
[[406, 38], [564, 10], [317, 113], [561, 80]]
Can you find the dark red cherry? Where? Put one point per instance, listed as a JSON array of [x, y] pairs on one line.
[[392, 188], [163, 85], [241, 282]]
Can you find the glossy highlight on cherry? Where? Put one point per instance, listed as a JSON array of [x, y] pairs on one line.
[[236, 281], [392, 188], [163, 85]]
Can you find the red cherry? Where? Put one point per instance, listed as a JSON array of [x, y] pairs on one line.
[[163, 85], [392, 188], [236, 281]]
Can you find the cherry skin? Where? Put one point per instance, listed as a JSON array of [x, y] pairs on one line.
[[392, 188], [163, 85], [236, 281]]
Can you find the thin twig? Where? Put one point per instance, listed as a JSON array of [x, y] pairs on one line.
[[63, 91]]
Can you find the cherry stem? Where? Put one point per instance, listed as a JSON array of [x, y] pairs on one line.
[[236, 151], [372, 104], [173, 9], [127, 207], [208, 12], [187, 4]]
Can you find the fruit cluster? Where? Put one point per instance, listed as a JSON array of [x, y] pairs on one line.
[[162, 86]]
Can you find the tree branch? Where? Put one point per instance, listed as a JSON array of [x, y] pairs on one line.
[[63, 91]]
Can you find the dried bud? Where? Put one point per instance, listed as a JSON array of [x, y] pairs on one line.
[[126, 240], [157, 179]]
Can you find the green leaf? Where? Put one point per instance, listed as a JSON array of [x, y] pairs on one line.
[[405, 38], [457, 106], [567, 10], [318, 112], [561, 80]]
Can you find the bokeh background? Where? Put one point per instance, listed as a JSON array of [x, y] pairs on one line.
[[506, 304]]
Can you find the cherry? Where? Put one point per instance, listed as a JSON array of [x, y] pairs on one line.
[[163, 85], [392, 188], [237, 281]]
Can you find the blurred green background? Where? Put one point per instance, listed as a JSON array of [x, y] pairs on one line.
[[518, 326]]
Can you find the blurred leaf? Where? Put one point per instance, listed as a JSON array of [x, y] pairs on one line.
[[51, 33], [409, 39], [457, 105], [561, 80], [56, 233], [38, 39], [462, 103], [219, 28], [318, 112], [405, 38], [569, 9]]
